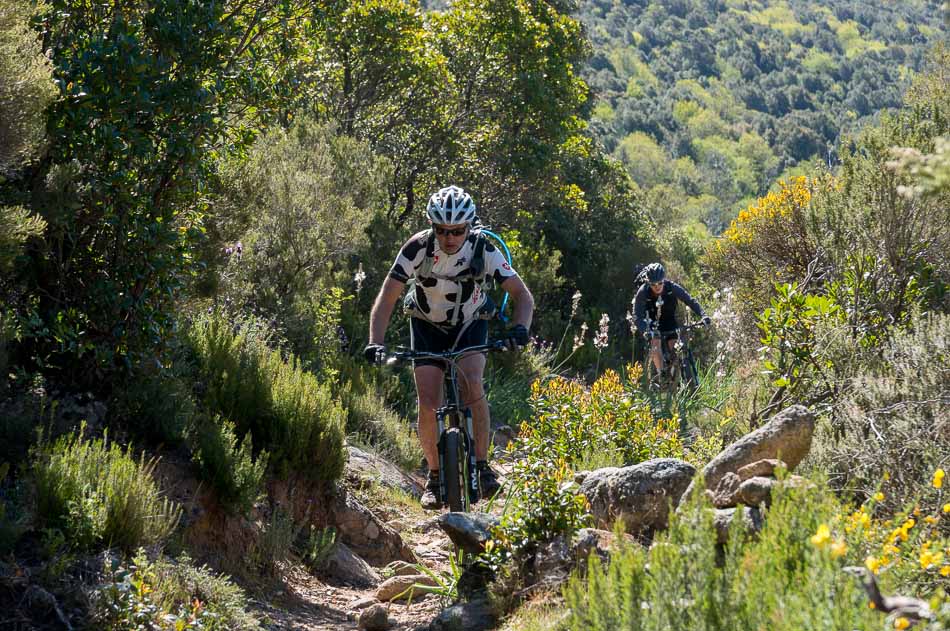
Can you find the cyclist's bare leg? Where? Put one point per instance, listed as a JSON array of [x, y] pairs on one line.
[[429, 392], [471, 371]]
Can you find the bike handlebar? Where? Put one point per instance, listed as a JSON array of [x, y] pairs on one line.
[[680, 329], [409, 355]]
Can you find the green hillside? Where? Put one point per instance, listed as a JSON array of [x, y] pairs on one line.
[[706, 103]]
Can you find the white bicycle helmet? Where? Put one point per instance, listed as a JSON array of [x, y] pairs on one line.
[[451, 205]]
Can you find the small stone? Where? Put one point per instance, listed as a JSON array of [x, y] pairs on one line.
[[374, 618]]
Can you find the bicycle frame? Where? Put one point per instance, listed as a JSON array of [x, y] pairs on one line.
[[679, 354], [450, 416]]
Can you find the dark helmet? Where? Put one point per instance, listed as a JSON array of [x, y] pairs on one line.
[[653, 273]]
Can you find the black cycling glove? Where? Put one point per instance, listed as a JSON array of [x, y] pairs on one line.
[[374, 353], [517, 336]]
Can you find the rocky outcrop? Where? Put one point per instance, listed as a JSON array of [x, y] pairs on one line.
[[363, 466], [640, 495], [786, 436], [366, 535], [341, 564]]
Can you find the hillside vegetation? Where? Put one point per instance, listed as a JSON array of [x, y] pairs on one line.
[[199, 201], [708, 103]]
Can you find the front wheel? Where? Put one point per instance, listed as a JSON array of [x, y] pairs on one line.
[[689, 375], [455, 470]]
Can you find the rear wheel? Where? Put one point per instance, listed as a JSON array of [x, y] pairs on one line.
[[456, 470]]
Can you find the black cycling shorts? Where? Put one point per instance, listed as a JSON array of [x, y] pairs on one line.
[[425, 336]]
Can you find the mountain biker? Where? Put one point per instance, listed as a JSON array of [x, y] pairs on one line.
[[447, 306], [658, 298]]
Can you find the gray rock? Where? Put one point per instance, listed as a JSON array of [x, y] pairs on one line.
[[361, 603], [369, 538], [476, 615], [401, 568], [588, 541], [757, 490], [761, 468], [787, 436], [343, 565], [722, 521], [469, 531], [374, 618], [726, 493], [640, 495], [364, 465]]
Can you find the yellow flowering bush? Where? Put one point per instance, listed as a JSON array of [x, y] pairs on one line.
[[609, 423], [769, 242], [909, 547]]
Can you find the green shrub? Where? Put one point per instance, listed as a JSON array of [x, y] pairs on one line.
[[275, 544], [169, 594], [286, 409], [96, 493], [308, 424], [608, 424], [897, 404], [230, 468], [787, 578]]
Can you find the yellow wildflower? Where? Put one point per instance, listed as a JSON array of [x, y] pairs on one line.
[[938, 478], [945, 570], [946, 508], [878, 497], [930, 519], [821, 538], [838, 549], [872, 564], [901, 623]]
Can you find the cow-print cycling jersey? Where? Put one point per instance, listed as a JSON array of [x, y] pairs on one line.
[[435, 297]]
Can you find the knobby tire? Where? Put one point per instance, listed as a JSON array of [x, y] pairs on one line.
[[456, 467]]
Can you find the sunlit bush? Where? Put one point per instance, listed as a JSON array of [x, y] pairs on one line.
[[607, 424], [286, 409], [97, 493]]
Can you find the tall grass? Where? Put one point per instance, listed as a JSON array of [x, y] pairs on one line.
[[97, 493]]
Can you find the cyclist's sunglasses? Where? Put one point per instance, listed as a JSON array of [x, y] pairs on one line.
[[455, 232]]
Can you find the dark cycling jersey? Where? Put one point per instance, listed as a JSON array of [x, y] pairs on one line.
[[645, 304]]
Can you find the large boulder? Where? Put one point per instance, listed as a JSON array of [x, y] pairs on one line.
[[341, 564], [787, 436], [362, 465], [366, 535], [640, 495], [469, 531]]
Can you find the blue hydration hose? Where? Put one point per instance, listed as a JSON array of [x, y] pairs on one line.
[[504, 248]]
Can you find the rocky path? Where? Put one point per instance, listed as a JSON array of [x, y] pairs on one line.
[[321, 602]]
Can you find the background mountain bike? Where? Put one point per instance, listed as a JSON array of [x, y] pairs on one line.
[[679, 366], [458, 485]]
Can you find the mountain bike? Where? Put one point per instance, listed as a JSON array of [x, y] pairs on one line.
[[679, 365], [458, 483]]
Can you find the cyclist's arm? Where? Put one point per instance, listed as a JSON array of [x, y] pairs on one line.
[[692, 303], [640, 308], [382, 311], [524, 301]]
